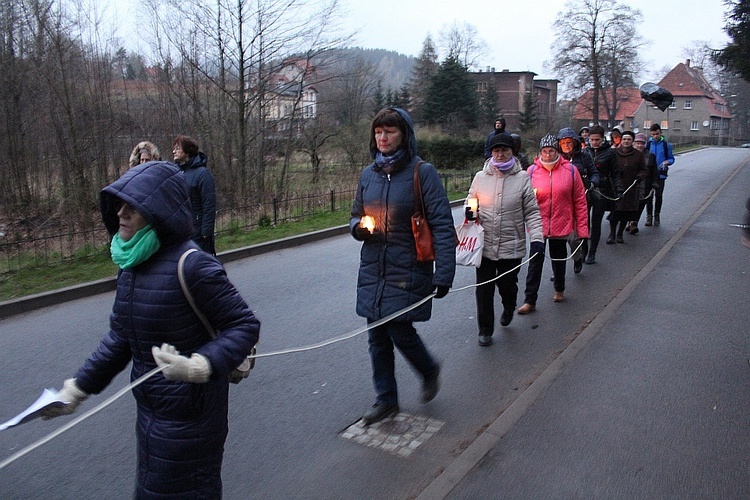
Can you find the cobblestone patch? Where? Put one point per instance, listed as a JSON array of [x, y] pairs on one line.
[[399, 435]]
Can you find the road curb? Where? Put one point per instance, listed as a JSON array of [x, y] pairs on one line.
[[453, 474], [30, 303]]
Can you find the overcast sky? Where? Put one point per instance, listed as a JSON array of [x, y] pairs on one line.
[[518, 33]]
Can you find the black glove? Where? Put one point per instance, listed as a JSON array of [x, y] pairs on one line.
[[441, 291], [536, 247], [362, 233], [469, 213]]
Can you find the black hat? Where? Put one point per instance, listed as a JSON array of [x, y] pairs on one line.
[[501, 139]]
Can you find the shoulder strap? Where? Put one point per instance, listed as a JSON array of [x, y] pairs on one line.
[[188, 296], [418, 198], [666, 150]]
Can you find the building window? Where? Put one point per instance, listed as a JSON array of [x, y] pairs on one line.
[[673, 105], [665, 124], [482, 86], [688, 104], [646, 124], [693, 125], [676, 125]]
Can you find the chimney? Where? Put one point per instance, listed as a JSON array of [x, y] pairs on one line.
[[687, 62], [488, 69]]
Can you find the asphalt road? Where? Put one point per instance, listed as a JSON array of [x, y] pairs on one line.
[[286, 419]]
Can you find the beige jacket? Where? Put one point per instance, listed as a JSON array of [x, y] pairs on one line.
[[507, 211]]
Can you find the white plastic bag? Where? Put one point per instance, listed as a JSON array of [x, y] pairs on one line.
[[470, 243]]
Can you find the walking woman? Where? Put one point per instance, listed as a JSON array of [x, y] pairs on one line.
[[390, 276], [507, 210], [633, 169], [182, 411], [562, 206]]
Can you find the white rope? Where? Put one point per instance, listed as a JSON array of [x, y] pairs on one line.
[[80, 418], [310, 347]]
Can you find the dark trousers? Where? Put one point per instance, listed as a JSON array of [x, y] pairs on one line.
[[558, 249], [653, 205], [507, 287], [381, 340], [598, 207]]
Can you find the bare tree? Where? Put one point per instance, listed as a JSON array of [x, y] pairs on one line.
[[595, 46], [462, 43]]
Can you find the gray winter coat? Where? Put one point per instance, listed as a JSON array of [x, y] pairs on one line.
[[507, 210]]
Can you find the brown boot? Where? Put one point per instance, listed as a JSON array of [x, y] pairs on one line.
[[526, 308]]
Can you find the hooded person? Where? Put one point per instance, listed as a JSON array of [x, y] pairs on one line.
[[499, 129], [144, 152], [390, 276], [562, 205], [181, 424], [508, 212], [570, 148], [616, 136]]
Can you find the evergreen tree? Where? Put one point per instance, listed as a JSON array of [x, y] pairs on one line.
[[424, 69], [736, 55], [452, 99], [527, 119], [403, 98], [489, 108]]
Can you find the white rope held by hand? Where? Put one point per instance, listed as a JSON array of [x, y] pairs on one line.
[[310, 347], [80, 418]]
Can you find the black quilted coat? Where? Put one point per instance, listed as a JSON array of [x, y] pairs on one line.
[[181, 426]]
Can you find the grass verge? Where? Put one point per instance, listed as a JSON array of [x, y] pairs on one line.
[[29, 281]]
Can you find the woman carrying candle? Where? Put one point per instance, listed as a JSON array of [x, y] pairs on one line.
[[507, 209], [390, 276]]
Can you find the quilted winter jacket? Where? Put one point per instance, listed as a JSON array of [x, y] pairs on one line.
[[561, 198], [181, 427], [507, 210], [390, 277]]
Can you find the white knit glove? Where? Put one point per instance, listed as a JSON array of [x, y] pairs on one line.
[[71, 395], [195, 369]]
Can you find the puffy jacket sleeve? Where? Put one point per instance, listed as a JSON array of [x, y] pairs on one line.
[[110, 358], [531, 216], [440, 219], [216, 297], [580, 208]]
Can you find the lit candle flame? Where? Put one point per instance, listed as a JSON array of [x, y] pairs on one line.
[[368, 223], [472, 203]]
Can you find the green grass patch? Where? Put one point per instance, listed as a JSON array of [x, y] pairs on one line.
[[38, 279]]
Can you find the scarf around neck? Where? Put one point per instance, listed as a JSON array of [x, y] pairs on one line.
[[388, 162], [139, 248], [503, 167]]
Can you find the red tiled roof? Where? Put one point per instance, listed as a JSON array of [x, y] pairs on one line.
[[684, 81], [628, 100]]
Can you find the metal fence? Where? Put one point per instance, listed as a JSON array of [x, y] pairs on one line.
[[32, 247]]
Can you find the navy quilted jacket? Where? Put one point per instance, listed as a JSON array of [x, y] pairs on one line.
[[181, 426], [390, 278]]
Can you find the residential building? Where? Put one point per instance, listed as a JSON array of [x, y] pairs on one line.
[[627, 102], [698, 114], [511, 87]]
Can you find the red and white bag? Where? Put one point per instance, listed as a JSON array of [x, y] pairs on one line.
[[470, 243]]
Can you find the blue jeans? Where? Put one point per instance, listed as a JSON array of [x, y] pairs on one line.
[[381, 341]]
